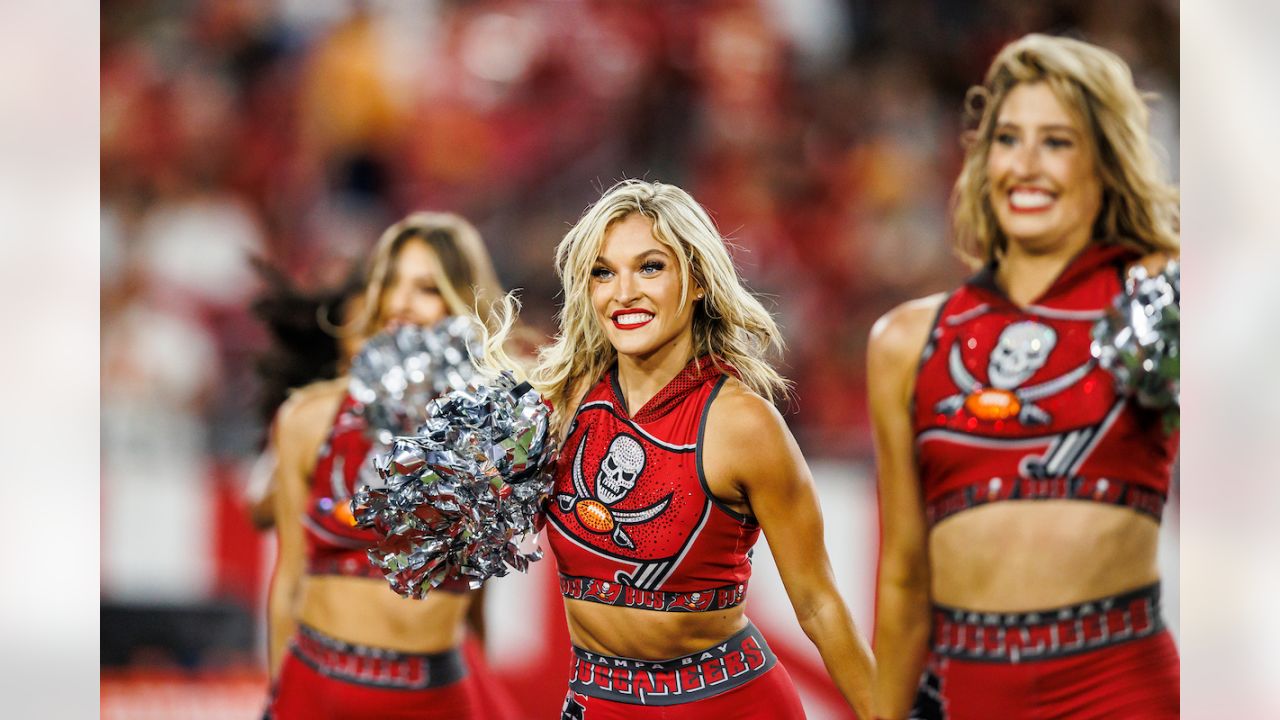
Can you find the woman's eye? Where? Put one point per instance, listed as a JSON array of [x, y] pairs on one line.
[[429, 289], [1057, 143], [1006, 138], [601, 273], [652, 266]]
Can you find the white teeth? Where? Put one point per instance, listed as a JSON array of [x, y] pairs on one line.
[[633, 318], [1023, 199]]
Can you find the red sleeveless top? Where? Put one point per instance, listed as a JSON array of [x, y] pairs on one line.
[[1010, 405], [334, 545], [632, 521]]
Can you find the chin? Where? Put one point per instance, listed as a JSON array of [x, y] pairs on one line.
[[632, 349]]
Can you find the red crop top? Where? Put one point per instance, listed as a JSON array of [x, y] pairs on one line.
[[632, 521], [334, 545], [1010, 405]]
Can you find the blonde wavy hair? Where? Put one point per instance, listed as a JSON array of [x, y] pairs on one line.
[[1138, 207], [467, 280], [729, 323]]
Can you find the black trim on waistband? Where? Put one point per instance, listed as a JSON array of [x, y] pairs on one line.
[[375, 666], [724, 666], [1014, 637]]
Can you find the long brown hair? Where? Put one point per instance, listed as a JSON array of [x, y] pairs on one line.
[[1138, 207], [468, 282]]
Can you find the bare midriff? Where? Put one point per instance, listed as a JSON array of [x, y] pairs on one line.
[[366, 611], [1032, 555], [648, 634]]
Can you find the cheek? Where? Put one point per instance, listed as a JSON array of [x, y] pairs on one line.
[[1086, 183], [430, 309], [996, 165], [599, 300]]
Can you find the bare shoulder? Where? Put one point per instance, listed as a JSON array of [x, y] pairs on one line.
[[900, 334], [741, 419], [310, 408]]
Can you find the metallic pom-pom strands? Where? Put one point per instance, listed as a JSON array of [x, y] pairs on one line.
[[461, 496], [399, 371], [1137, 341]]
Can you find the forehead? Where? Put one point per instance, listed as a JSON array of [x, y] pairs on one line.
[[415, 257], [1032, 104], [629, 237]]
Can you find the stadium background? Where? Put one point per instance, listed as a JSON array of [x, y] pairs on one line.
[[821, 135]]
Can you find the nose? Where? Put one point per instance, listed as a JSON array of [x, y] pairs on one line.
[[397, 302], [628, 288], [1026, 160]]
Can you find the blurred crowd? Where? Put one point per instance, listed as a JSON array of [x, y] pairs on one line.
[[823, 136]]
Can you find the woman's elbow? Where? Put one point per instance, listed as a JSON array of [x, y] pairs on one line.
[[905, 571]]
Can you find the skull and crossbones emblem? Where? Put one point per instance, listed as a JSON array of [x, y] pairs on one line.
[[616, 477], [1021, 350]]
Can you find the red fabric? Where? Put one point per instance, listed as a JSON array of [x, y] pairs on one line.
[[772, 696], [334, 545], [1137, 679], [493, 701], [1082, 430], [305, 694], [687, 542]]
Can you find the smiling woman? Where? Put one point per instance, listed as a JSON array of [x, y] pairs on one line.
[[341, 644], [1045, 188], [1020, 491], [674, 462], [638, 294]]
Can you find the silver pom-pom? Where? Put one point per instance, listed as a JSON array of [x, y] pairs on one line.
[[1137, 341], [399, 371], [463, 494]]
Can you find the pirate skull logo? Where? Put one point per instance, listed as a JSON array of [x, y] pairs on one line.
[[615, 478], [1020, 351], [619, 469]]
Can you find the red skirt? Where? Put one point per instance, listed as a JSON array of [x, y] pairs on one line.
[[1108, 658], [326, 678], [739, 678]]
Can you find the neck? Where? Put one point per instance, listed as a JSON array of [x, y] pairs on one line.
[[641, 376], [1026, 273]]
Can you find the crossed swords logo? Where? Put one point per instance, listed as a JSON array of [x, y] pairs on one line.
[[1022, 349], [616, 478]]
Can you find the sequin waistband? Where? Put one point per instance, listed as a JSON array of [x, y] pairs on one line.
[[1044, 634], [696, 676], [373, 666]]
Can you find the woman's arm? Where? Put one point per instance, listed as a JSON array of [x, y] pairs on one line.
[[298, 432], [902, 599], [260, 494], [749, 448]]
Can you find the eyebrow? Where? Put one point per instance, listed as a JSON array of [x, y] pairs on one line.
[[1056, 127], [642, 256]]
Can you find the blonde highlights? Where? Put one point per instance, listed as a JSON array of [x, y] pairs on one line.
[[1138, 208], [729, 323]]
